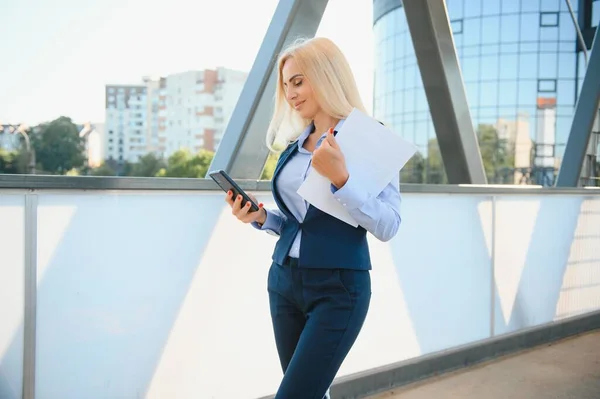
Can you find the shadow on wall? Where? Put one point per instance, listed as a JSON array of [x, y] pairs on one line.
[[441, 279], [7, 391], [105, 333], [457, 268], [548, 251]]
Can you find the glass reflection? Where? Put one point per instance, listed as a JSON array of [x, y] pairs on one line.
[[516, 72]]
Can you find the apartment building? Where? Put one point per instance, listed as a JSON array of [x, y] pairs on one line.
[[187, 110], [125, 122]]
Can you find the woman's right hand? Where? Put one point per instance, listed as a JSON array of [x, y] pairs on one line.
[[243, 213]]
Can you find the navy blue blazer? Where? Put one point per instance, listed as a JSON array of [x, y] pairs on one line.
[[326, 241]]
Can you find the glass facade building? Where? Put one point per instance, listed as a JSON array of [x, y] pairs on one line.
[[522, 74]]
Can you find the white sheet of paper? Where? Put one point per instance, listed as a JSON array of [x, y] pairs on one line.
[[374, 154]]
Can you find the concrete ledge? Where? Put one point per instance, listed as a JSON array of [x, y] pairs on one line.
[[388, 377]]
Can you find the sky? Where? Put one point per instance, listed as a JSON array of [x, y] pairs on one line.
[[57, 55]]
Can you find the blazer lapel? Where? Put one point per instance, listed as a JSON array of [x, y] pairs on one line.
[[283, 158]]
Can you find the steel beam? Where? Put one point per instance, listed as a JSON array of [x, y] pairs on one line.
[[243, 151], [431, 34], [583, 121]]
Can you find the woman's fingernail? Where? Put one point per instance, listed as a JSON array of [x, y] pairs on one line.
[[260, 205]]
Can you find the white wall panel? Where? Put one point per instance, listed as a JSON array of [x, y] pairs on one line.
[[431, 283], [533, 243], [114, 272], [580, 291], [150, 294], [12, 273]]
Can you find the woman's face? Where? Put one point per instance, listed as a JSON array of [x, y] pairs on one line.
[[298, 92]]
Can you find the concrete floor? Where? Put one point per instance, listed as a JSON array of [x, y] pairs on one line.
[[566, 369]]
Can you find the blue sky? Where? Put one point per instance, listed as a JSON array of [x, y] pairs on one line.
[[58, 55]]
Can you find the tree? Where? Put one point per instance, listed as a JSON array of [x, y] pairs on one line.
[[413, 171], [58, 147], [148, 166], [108, 168], [498, 159], [183, 164], [8, 162], [434, 171]]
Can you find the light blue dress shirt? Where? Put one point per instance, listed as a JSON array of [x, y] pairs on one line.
[[378, 215]]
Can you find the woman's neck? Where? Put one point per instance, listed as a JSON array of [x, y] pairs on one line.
[[323, 122]]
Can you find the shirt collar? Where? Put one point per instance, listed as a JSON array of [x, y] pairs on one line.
[[302, 138]]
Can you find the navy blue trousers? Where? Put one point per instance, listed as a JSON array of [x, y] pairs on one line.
[[317, 315]]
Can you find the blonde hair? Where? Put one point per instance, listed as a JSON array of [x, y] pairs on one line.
[[324, 65]]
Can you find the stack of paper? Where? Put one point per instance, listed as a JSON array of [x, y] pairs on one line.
[[372, 151]]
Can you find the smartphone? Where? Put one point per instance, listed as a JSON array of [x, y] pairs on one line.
[[226, 183]]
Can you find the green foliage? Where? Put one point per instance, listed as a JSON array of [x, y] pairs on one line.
[[498, 159], [184, 164], [434, 170], [148, 165], [269, 169], [8, 162], [414, 170], [58, 147], [108, 168]]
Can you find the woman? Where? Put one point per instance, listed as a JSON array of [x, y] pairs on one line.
[[319, 283]]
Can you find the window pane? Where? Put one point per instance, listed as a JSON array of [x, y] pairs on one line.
[[490, 30], [455, 8], [489, 67], [527, 92], [563, 126], [566, 65], [409, 101], [489, 94], [471, 31], [508, 93], [566, 29], [456, 26], [491, 7], [565, 92], [548, 66], [529, 27], [546, 85], [551, 5], [470, 69], [510, 28], [421, 100], [549, 34], [472, 8], [508, 66], [548, 19], [528, 65], [472, 94], [530, 6], [510, 6]]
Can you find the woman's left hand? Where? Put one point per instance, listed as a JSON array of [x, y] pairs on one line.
[[329, 161]]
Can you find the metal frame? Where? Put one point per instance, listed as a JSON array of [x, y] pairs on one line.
[[583, 121], [493, 288], [431, 34], [30, 314], [243, 150], [17, 183]]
